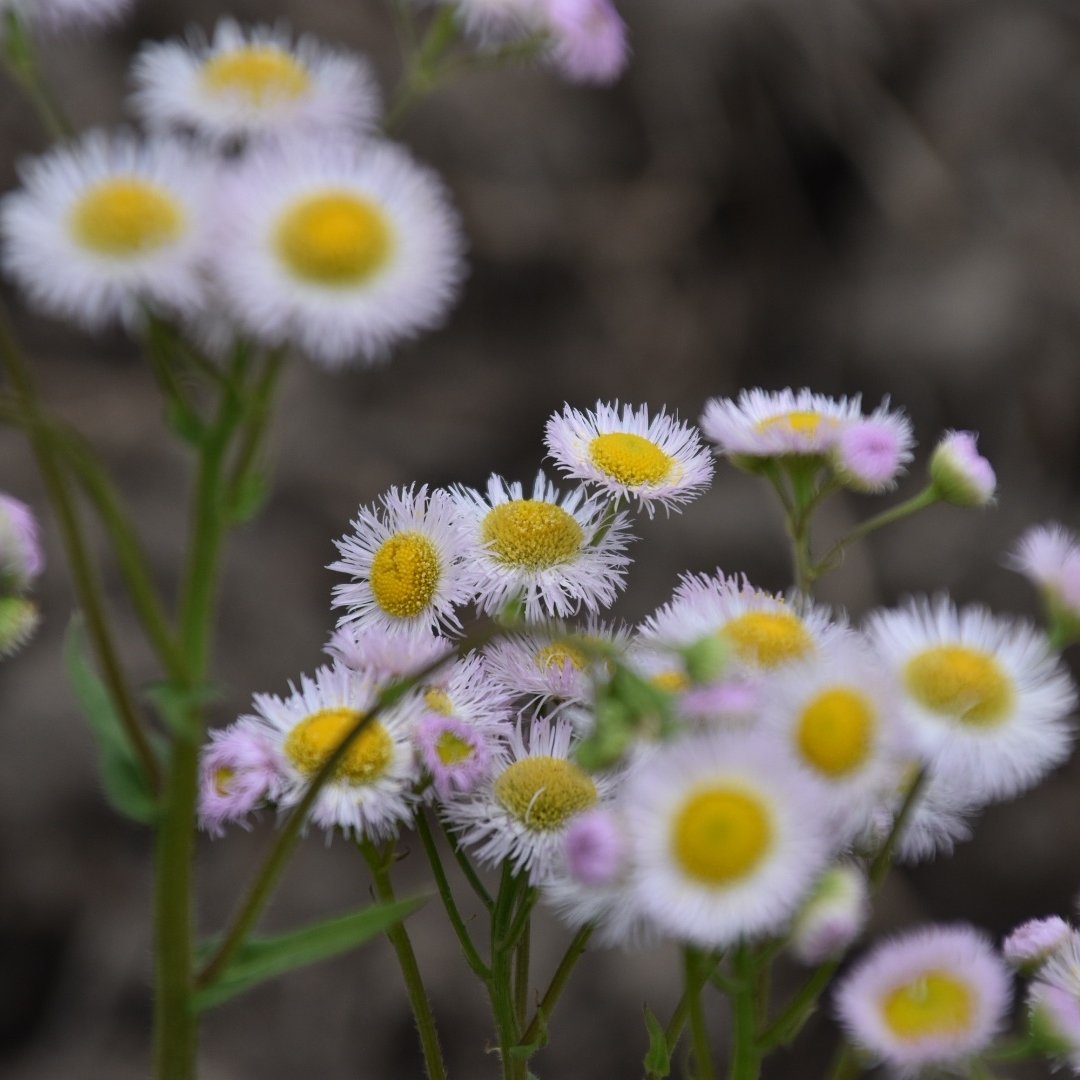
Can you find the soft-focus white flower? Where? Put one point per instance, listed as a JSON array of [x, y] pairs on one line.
[[1034, 942], [387, 652], [107, 224], [871, 454], [254, 82], [59, 15], [1049, 555], [833, 917]]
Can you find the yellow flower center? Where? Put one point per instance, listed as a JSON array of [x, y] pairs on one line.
[[799, 422], [836, 731], [933, 1005], [544, 793], [129, 217], [453, 749], [405, 575], [559, 654], [335, 239], [439, 701], [630, 459], [532, 535], [222, 779], [671, 682], [310, 744], [721, 835], [261, 74], [768, 639], [961, 683]]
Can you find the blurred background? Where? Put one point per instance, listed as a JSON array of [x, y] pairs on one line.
[[876, 196]]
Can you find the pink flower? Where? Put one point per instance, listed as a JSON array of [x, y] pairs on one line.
[[1032, 943], [239, 770], [589, 39], [960, 473], [456, 754], [21, 557], [871, 454], [595, 848]]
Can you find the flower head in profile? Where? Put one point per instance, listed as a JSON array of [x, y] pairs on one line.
[[21, 555], [1049, 556], [931, 998], [240, 770], [1034, 942], [658, 462], [870, 455], [959, 473], [588, 39], [246, 83]]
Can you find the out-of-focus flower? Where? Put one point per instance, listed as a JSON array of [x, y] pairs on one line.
[[870, 455], [833, 917], [959, 473]]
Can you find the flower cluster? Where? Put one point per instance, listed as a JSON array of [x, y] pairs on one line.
[[21, 562]]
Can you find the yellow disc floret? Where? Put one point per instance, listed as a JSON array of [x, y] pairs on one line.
[[769, 639], [721, 835], [453, 749], [223, 779], [259, 74], [836, 731], [935, 1004], [439, 701], [630, 459], [800, 423], [335, 239], [309, 746], [532, 535], [961, 683], [559, 654], [671, 682], [544, 793], [123, 218], [405, 575]]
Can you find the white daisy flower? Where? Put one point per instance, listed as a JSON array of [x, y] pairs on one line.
[[659, 462], [987, 701], [764, 631], [372, 792], [387, 652], [466, 689], [406, 559], [837, 718], [340, 248], [105, 225], [557, 554], [933, 998], [63, 14], [254, 82], [725, 844], [765, 424], [521, 814]]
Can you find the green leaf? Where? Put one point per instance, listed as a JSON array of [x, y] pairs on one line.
[[125, 784], [179, 705], [248, 497], [658, 1058], [266, 958]]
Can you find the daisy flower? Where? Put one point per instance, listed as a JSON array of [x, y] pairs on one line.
[[1049, 556], [764, 424], [833, 917], [456, 754], [1034, 942], [372, 791], [520, 815], [340, 248], [837, 718], [21, 556], [960, 474], [987, 702], [406, 558], [387, 652], [106, 224], [870, 455], [659, 462], [588, 39], [556, 554], [724, 844], [239, 770], [932, 998], [1055, 1022], [466, 689], [764, 631], [63, 14], [254, 82]]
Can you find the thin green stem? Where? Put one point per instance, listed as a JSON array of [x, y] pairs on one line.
[[398, 936], [573, 954], [467, 869], [88, 588], [791, 1021], [693, 962], [521, 967], [673, 1031], [256, 424], [500, 988], [422, 71], [745, 1057], [879, 868], [21, 61], [846, 1064], [472, 956], [520, 921]]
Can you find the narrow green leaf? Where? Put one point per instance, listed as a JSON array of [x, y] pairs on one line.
[[266, 958], [658, 1058], [125, 785]]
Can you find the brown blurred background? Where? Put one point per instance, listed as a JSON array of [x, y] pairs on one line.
[[856, 195]]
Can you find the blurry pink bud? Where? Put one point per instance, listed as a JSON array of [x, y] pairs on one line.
[[589, 40], [961, 474], [595, 848], [1032, 943], [21, 557], [871, 454]]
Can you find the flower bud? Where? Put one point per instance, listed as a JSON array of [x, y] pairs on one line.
[[19, 619], [959, 473], [1031, 944], [871, 454], [21, 558], [833, 917]]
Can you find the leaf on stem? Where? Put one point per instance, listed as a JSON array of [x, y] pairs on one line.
[[261, 959], [658, 1058], [122, 775]]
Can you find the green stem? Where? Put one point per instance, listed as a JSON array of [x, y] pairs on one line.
[[422, 72], [467, 869], [398, 937], [88, 588], [520, 921], [521, 967], [472, 956], [21, 61], [846, 1064], [673, 1031], [693, 964], [879, 868], [745, 1057], [500, 987], [257, 422], [574, 952], [790, 1022]]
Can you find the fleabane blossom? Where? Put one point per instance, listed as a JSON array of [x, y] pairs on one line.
[[372, 791], [932, 998], [557, 554], [455, 753], [520, 815], [21, 555], [107, 224], [959, 473], [1049, 556], [987, 702], [624, 453], [240, 769], [251, 83], [870, 455], [833, 917], [491, 22], [340, 248], [1055, 1022], [724, 844], [406, 557], [588, 39], [1034, 942], [764, 632], [387, 652], [59, 15]]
